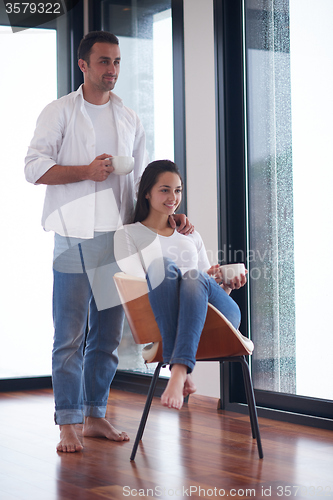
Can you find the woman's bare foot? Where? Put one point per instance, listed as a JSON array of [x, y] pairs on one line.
[[100, 427], [173, 397], [189, 387], [69, 442]]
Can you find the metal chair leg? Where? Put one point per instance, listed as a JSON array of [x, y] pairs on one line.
[[251, 403], [146, 410], [248, 396]]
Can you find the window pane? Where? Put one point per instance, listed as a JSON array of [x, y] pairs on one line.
[[26, 252], [290, 152], [146, 85], [146, 76]]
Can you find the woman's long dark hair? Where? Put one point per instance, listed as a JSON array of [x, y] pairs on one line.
[[148, 180]]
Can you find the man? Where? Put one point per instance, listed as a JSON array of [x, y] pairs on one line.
[[74, 141]]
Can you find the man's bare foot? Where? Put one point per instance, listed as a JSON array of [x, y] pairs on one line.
[[173, 397], [69, 442], [100, 427], [189, 387]]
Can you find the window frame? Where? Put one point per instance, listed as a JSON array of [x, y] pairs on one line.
[[233, 215], [69, 78], [127, 379]]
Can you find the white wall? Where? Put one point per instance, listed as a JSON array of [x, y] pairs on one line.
[[201, 145]]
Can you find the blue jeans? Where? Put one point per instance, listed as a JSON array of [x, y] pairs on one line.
[[180, 305], [84, 361]]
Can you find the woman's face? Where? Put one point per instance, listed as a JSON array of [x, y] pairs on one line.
[[166, 194]]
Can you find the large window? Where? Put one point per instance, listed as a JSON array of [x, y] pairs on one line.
[[29, 64]]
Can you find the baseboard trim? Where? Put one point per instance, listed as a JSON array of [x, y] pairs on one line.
[[25, 384], [284, 416], [137, 382]]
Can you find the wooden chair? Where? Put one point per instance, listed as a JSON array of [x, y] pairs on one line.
[[219, 341]]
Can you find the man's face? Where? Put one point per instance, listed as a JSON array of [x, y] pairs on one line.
[[101, 73]]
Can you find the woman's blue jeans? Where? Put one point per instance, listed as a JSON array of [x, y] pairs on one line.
[[84, 360], [180, 305]]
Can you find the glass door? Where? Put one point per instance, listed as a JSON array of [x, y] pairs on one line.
[[289, 79]]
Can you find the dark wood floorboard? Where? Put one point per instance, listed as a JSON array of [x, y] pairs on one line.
[[198, 452]]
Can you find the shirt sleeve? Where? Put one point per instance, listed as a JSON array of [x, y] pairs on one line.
[[43, 150], [127, 254]]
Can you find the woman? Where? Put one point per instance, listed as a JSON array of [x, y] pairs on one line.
[[180, 279]]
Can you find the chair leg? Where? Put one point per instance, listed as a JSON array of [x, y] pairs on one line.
[[221, 401], [247, 387], [251, 403], [146, 410]]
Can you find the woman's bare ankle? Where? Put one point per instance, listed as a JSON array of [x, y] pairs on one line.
[[189, 386], [173, 397]]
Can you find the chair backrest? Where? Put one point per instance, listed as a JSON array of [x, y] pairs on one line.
[[219, 338], [133, 293]]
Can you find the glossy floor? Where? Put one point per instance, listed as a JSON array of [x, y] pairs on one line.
[[195, 453]]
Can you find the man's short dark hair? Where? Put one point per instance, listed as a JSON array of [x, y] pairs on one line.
[[84, 50]]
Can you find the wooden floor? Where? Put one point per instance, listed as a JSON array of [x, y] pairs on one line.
[[195, 453]]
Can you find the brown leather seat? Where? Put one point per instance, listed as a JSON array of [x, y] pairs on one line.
[[219, 341]]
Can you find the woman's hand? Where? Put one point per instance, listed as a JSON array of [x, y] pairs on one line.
[[236, 283], [216, 273]]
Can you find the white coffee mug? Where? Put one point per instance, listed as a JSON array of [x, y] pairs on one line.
[[231, 271], [122, 165]]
